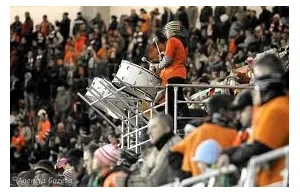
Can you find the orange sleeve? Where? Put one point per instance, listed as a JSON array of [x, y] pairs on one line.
[[182, 146], [170, 48], [273, 127]]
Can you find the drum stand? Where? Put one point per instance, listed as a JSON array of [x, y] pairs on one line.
[[132, 117]]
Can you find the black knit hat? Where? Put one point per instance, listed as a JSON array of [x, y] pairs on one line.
[[218, 102], [242, 99]]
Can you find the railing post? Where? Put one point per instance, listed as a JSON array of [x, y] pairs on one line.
[[128, 130], [286, 171], [137, 126], [175, 108], [166, 100], [122, 138]]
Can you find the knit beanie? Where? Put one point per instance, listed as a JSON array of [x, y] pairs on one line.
[[173, 26], [207, 152], [107, 155]]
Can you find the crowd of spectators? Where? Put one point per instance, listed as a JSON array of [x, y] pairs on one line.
[[50, 63]]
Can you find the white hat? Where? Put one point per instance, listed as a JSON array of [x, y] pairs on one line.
[[224, 17], [189, 128]]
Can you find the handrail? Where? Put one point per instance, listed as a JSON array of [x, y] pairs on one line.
[[197, 179], [257, 160]]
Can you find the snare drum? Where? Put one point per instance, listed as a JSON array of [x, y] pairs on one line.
[[135, 75], [110, 105]]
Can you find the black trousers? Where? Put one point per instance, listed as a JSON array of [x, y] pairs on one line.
[[181, 108]]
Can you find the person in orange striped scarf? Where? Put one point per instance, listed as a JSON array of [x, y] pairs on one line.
[[44, 127], [271, 124]]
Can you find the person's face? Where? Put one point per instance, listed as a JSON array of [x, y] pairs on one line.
[[17, 19], [26, 15], [88, 162], [245, 116], [168, 34], [65, 16], [155, 130]]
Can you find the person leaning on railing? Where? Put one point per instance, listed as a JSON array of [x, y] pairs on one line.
[[271, 124]]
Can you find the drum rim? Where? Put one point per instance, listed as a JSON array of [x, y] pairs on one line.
[[147, 70]]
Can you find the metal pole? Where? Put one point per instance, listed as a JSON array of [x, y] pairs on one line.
[[285, 181], [166, 100], [122, 138], [137, 124], [175, 109], [128, 130], [151, 110]]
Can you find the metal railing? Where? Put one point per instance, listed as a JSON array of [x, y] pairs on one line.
[[131, 125], [257, 161], [249, 180], [203, 177]]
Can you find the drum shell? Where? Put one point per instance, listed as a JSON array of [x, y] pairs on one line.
[[135, 75]]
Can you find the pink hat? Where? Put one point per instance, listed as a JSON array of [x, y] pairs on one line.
[[61, 163], [107, 155]]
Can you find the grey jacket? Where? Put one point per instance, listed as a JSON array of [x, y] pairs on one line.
[[155, 171]]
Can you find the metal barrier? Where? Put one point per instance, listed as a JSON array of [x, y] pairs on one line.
[[263, 158], [250, 175], [198, 179]]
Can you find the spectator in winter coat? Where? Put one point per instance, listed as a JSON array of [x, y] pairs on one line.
[[28, 93], [182, 17], [27, 27], [206, 12], [78, 22], [265, 17], [104, 159], [193, 13], [114, 23], [99, 22], [155, 170], [16, 26], [62, 104], [166, 17], [65, 26], [45, 26]]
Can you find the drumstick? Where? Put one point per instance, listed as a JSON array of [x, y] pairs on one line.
[[159, 53]]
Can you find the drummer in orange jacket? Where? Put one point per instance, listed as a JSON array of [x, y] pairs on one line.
[[172, 68]]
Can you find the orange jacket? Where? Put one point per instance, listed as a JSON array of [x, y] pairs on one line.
[[224, 136], [103, 53], [79, 45], [145, 26], [271, 127], [69, 57], [45, 128], [19, 142], [45, 27], [176, 51]]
